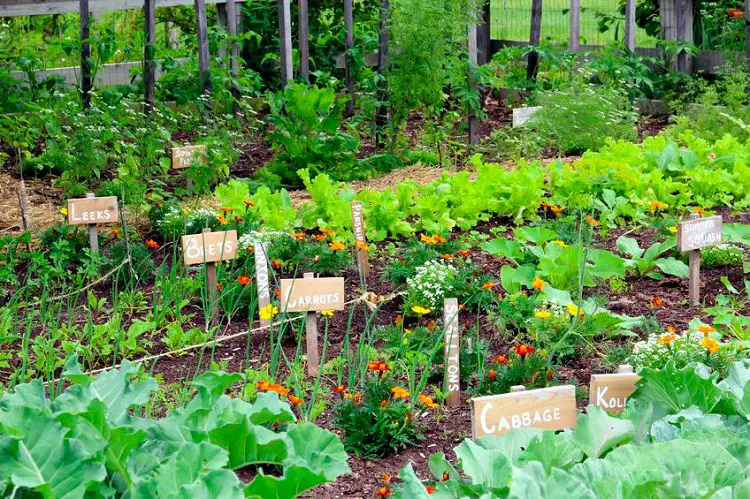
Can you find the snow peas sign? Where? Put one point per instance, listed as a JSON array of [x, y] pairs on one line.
[[209, 247], [312, 295], [185, 157], [546, 408]]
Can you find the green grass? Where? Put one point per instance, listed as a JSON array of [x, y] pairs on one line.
[[511, 20]]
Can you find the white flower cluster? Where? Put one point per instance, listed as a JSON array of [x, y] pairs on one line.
[[254, 237], [682, 349], [430, 284], [175, 216]]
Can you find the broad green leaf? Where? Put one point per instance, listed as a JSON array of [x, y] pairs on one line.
[[40, 457], [530, 481], [679, 389], [26, 395], [597, 432], [488, 467], [247, 443], [512, 278], [317, 449], [736, 233], [503, 247], [512, 443], [674, 267], [536, 235], [629, 246], [605, 264], [412, 486], [553, 451], [737, 383], [268, 408]]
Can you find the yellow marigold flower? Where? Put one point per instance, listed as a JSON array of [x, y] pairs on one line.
[[710, 344], [400, 393], [427, 400], [538, 284], [573, 309], [221, 219], [64, 212], [438, 238], [542, 314], [327, 313], [336, 246], [591, 220], [557, 210], [706, 329], [268, 312], [557, 242], [666, 339], [672, 229], [417, 309], [362, 246], [427, 239]]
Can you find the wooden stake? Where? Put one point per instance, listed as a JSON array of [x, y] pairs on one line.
[[536, 37], [203, 62], [484, 35], [630, 24], [261, 279], [452, 353], [304, 41], [349, 45], [285, 37], [311, 338], [93, 234], [234, 54], [22, 198], [575, 26], [694, 265], [381, 117], [473, 60], [149, 51], [86, 79], [212, 285]]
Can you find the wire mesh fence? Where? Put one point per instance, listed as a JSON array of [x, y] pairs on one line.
[[601, 21]]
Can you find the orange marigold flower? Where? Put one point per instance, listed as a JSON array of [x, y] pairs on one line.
[[464, 252], [489, 285], [462, 307], [430, 489], [398, 320], [299, 236], [666, 339], [225, 210], [250, 250], [557, 210], [294, 400], [152, 244], [446, 476], [328, 232], [277, 293], [656, 302], [115, 232], [538, 284], [448, 256], [491, 375], [361, 245], [501, 359], [657, 205], [550, 375], [706, 329], [278, 389], [239, 219], [248, 203], [523, 350], [591, 220], [431, 326], [427, 400], [671, 329], [262, 385], [383, 492], [710, 344], [339, 389], [700, 211], [427, 239], [219, 286], [378, 366], [320, 237], [276, 264], [336, 246], [439, 239], [735, 14], [400, 393], [221, 219], [383, 403], [387, 477], [244, 280]]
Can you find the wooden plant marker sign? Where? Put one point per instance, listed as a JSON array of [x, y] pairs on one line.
[[312, 295], [692, 235], [452, 345], [611, 391], [360, 238], [186, 156], [261, 278], [546, 408], [209, 248], [90, 211]]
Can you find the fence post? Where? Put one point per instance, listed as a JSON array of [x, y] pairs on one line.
[[747, 31], [149, 51], [304, 41], [630, 25], [221, 19], [285, 41], [383, 40], [575, 26], [536, 37], [234, 53], [484, 34], [201, 29], [473, 58], [349, 45], [86, 80], [684, 32]]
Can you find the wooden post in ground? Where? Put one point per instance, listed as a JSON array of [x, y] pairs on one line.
[[383, 42], [149, 52], [630, 24], [747, 33], [93, 234], [360, 239], [681, 18], [234, 53], [211, 284], [452, 353], [473, 60], [202, 30], [304, 41], [484, 34], [574, 44], [285, 41], [535, 38], [261, 279], [349, 45], [694, 272], [311, 338], [86, 78]]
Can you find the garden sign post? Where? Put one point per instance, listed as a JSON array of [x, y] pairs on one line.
[[185, 157], [261, 278], [90, 211], [452, 345], [551, 408], [360, 240], [611, 391], [692, 235], [311, 295], [208, 248]]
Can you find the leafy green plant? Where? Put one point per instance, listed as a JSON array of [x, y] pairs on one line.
[[645, 262]]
